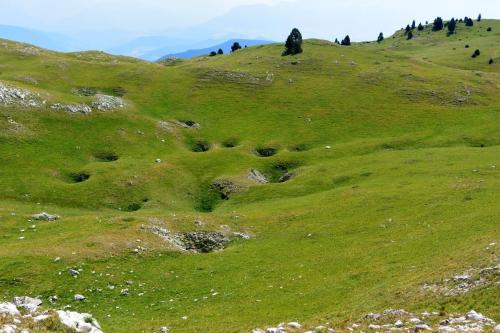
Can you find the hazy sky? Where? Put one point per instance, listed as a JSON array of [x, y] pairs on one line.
[[271, 19]]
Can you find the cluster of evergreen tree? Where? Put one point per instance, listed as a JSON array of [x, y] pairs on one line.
[[235, 47], [438, 24], [452, 26], [219, 52], [346, 41], [293, 44], [468, 22]]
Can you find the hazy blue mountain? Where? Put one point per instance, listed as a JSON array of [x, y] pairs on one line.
[[48, 40], [154, 47], [226, 47]]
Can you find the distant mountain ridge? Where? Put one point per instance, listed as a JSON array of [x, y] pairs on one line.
[[47, 40], [226, 47]]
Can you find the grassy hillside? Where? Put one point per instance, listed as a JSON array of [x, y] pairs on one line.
[[394, 148]]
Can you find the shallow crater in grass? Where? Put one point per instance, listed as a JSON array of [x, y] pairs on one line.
[[300, 147], [230, 143], [266, 151], [281, 171], [189, 124], [199, 146], [79, 177], [134, 207], [106, 156]]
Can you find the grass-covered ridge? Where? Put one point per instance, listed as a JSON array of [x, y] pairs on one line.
[[393, 147]]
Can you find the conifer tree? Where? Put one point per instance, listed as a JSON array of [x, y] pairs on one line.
[[452, 25], [380, 37], [293, 43], [438, 24], [346, 41], [235, 47]]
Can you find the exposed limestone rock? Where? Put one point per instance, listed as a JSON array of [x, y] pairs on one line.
[[11, 96], [45, 217], [107, 103], [72, 108], [257, 176]]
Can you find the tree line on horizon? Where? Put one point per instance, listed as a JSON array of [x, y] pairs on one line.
[[293, 43]]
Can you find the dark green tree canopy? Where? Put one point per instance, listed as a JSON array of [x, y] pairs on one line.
[[420, 27], [235, 47], [452, 25], [220, 52], [213, 54], [380, 37], [293, 43], [438, 24], [479, 18], [410, 35], [346, 41], [407, 29], [469, 22], [413, 25]]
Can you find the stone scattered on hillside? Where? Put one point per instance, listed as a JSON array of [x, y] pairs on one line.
[[204, 242], [81, 322], [32, 319], [463, 283], [107, 103], [84, 91], [257, 176], [399, 321], [79, 298], [72, 108], [189, 124], [286, 177], [11, 96], [225, 188], [45, 217], [196, 241], [27, 303]]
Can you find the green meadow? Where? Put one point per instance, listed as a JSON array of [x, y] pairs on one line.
[[394, 149]]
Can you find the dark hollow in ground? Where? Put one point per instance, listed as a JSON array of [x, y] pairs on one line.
[[200, 146], [107, 156], [79, 177], [266, 152], [230, 143]]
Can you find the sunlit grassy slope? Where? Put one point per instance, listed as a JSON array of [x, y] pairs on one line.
[[408, 192]]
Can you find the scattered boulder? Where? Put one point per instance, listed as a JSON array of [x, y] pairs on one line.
[[27, 303], [189, 124], [81, 322], [12, 320], [225, 188], [463, 283], [204, 242], [107, 103], [196, 241], [11, 96], [286, 177], [45, 217], [257, 176], [72, 108], [85, 91], [9, 309], [400, 321], [79, 298]]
